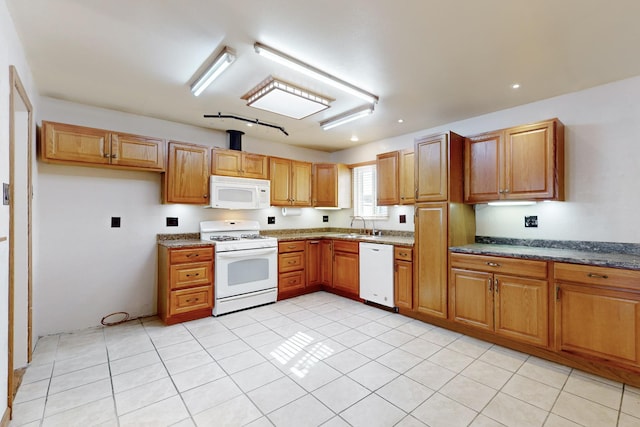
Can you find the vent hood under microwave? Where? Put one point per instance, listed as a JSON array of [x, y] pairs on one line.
[[229, 192]]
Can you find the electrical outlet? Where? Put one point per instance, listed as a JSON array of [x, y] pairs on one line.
[[271, 220], [531, 221], [325, 218], [172, 221], [115, 222], [403, 219]]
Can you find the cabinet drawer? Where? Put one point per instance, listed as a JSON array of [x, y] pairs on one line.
[[342, 246], [403, 253], [186, 300], [518, 267], [602, 276], [191, 255], [290, 281], [290, 262], [294, 246], [188, 275]]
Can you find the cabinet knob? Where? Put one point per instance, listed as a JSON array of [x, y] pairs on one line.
[[206, 196], [107, 155]]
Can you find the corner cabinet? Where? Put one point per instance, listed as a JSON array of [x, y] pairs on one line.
[[239, 163], [519, 163], [506, 296], [290, 182], [598, 313], [331, 185], [83, 146], [187, 177], [185, 283]]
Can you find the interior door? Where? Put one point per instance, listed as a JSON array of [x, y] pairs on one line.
[[20, 277]]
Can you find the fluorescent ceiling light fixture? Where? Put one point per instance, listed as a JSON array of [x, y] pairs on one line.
[[515, 86], [311, 71], [217, 67], [285, 99], [513, 203], [347, 117]]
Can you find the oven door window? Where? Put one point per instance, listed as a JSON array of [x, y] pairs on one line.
[[245, 271]]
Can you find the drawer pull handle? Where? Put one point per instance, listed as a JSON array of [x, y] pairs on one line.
[[192, 255], [291, 262], [403, 254], [493, 264], [490, 287], [597, 276], [292, 281], [193, 275], [193, 300], [291, 247]]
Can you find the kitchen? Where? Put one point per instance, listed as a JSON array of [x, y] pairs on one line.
[[111, 267]]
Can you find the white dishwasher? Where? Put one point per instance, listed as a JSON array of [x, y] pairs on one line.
[[376, 273]]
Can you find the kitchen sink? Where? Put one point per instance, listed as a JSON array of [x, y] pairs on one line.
[[355, 236]]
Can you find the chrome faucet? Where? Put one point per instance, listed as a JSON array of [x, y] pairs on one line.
[[363, 230]]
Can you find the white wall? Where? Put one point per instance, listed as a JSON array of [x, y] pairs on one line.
[[602, 167], [89, 269], [11, 53]]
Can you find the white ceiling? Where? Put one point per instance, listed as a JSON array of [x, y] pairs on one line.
[[430, 61]]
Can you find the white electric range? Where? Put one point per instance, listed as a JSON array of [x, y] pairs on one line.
[[246, 264]]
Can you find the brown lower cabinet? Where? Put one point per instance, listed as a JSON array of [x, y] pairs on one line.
[[403, 277], [508, 297], [185, 283], [598, 313], [321, 264]]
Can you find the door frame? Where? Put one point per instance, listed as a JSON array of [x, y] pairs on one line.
[[17, 90]]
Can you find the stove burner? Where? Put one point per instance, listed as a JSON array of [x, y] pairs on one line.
[[223, 238], [252, 236]]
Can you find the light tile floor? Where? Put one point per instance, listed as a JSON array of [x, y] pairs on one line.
[[313, 360]]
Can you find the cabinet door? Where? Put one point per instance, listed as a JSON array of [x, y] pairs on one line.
[[280, 170], [326, 262], [407, 178], [521, 309], [482, 168], [187, 176], [529, 162], [471, 298], [71, 143], [255, 166], [403, 291], [346, 272], [430, 292], [431, 168], [325, 185], [387, 176], [301, 183], [599, 323], [312, 254], [226, 162], [137, 151]]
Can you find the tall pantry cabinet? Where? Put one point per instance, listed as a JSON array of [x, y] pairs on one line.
[[441, 219]]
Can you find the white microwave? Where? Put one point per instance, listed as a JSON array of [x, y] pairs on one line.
[[228, 192]]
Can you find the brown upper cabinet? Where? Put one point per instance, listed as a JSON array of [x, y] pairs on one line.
[[187, 176], [331, 185], [290, 182], [520, 163], [435, 176], [395, 178], [84, 146], [239, 163]]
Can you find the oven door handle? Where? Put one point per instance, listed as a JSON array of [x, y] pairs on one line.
[[247, 252]]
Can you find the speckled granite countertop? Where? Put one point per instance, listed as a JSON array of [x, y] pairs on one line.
[[389, 239], [604, 254]]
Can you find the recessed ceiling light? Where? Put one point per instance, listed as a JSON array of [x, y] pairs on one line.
[[250, 124], [354, 139], [400, 121], [515, 86]]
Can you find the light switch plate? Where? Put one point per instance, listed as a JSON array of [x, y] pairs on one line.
[[5, 193]]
